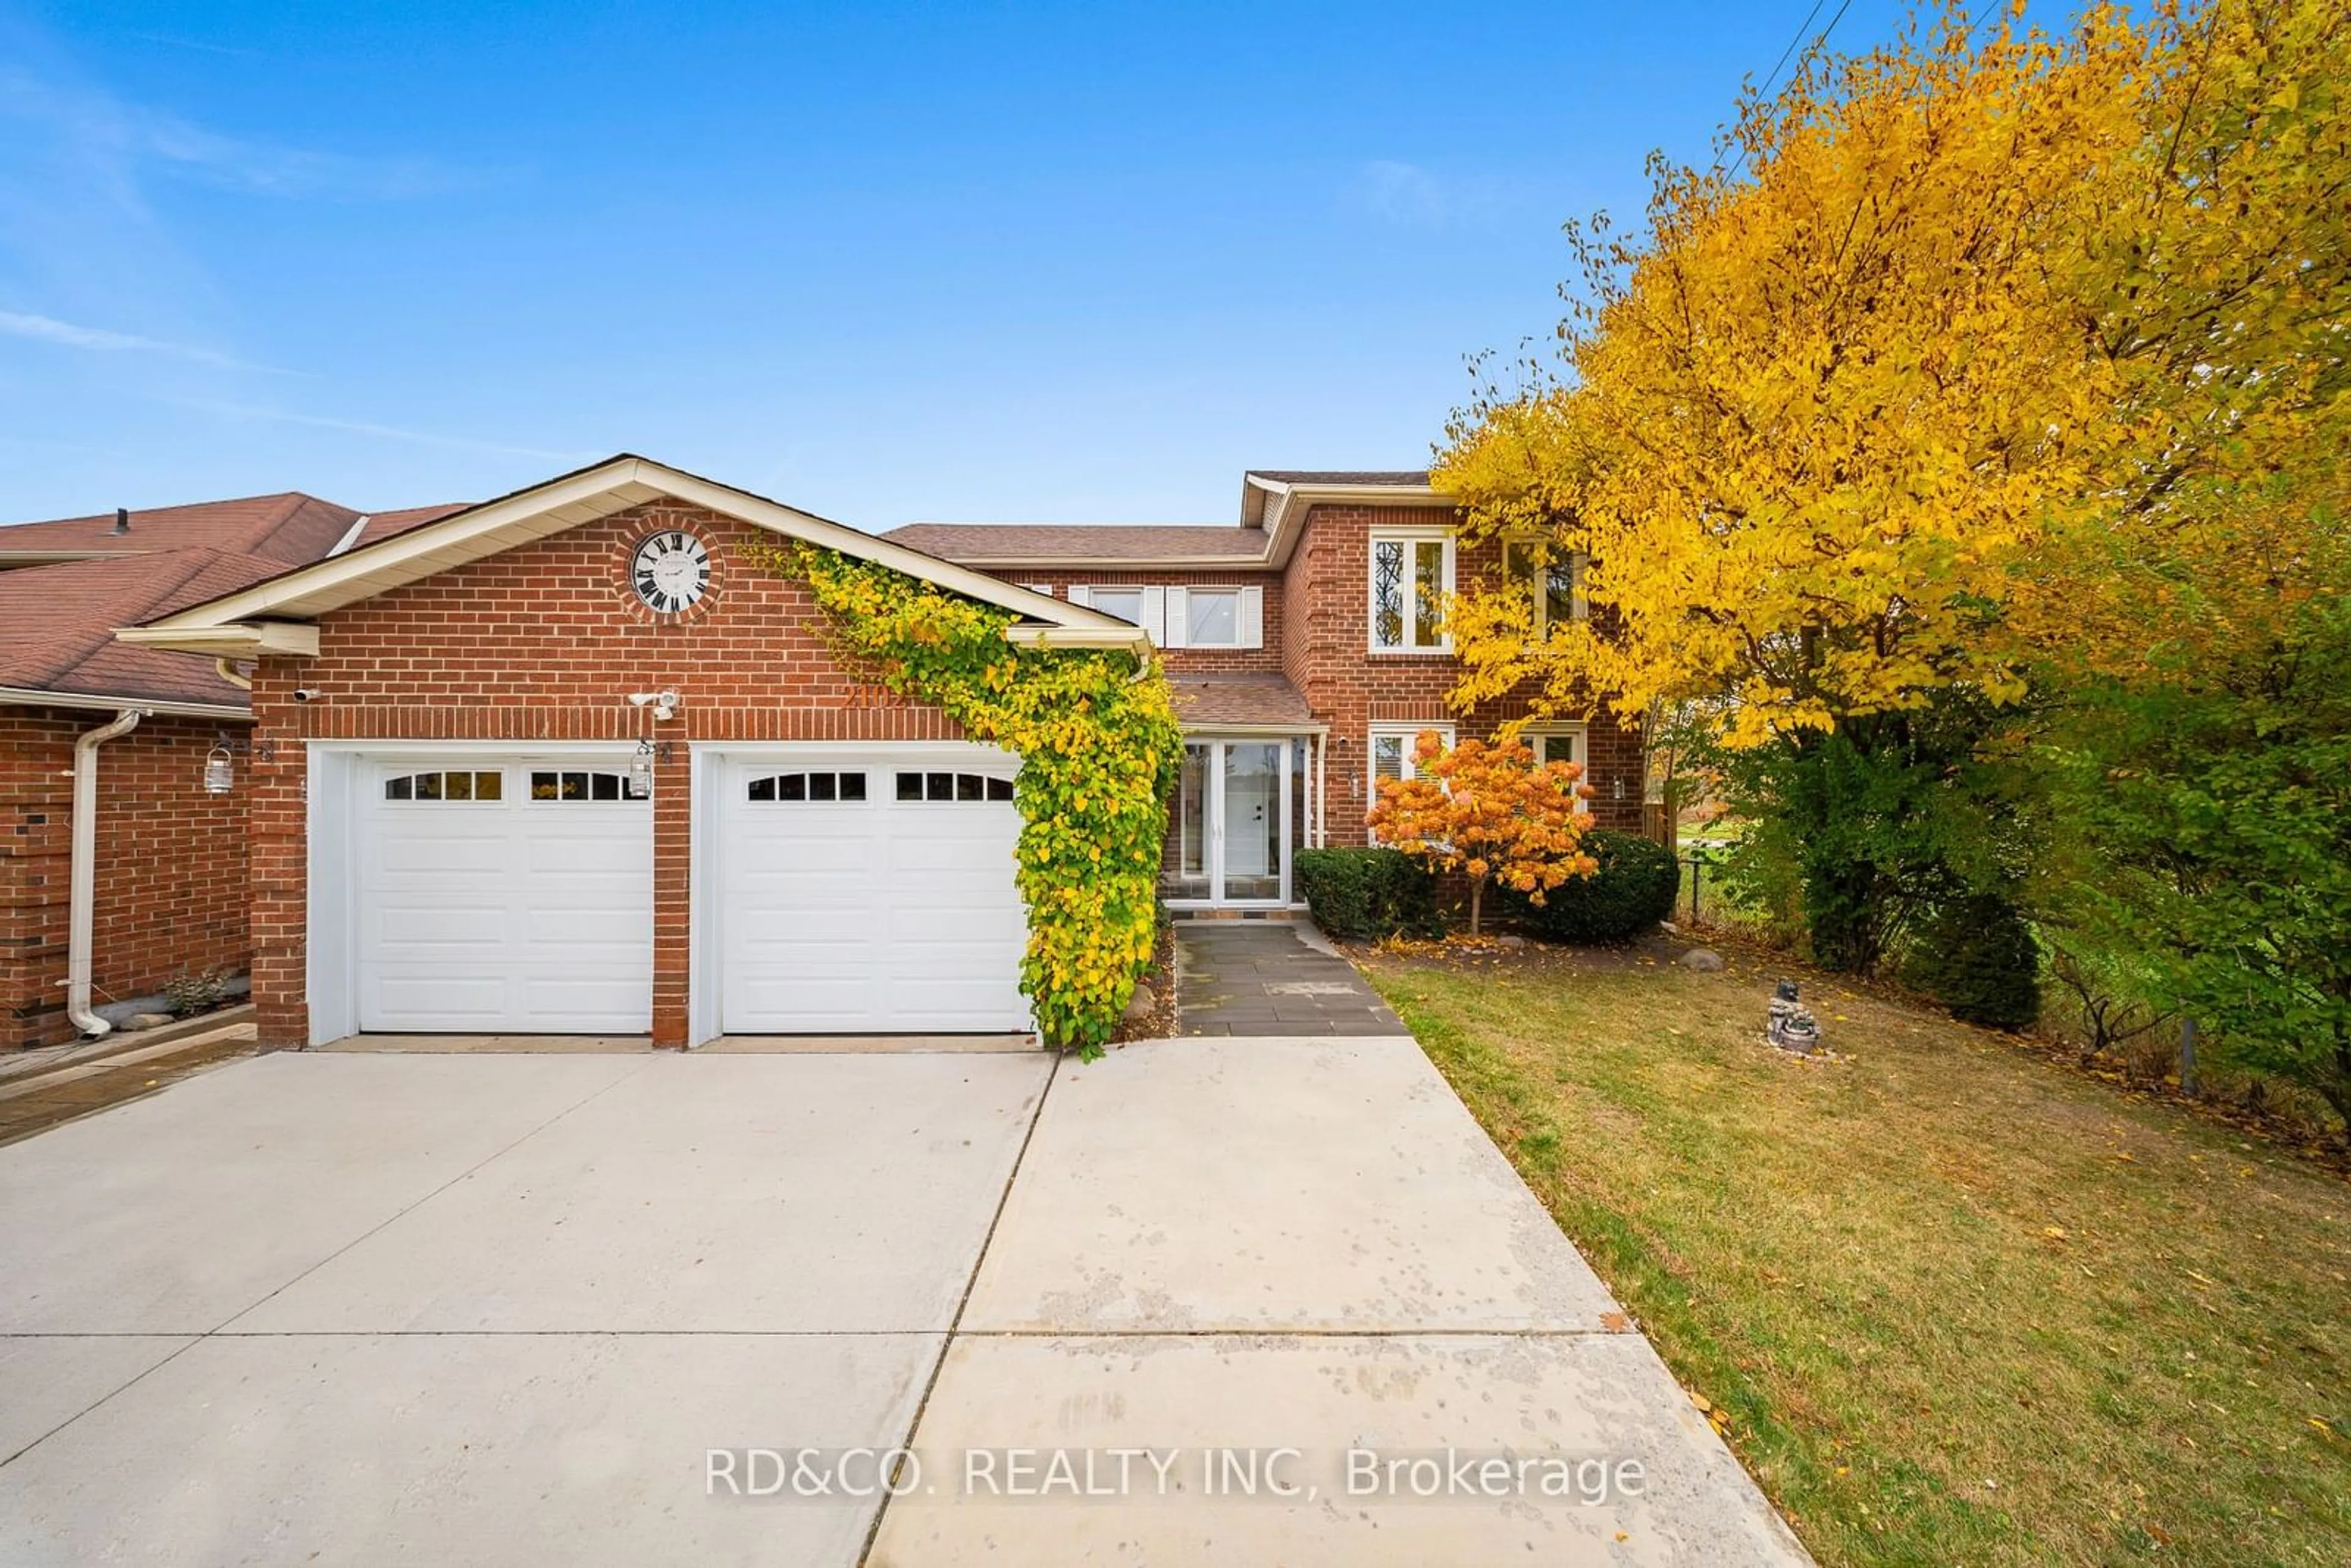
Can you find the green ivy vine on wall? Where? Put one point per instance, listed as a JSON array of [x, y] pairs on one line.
[[1096, 734]]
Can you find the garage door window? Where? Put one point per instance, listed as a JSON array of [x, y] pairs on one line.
[[781, 786], [953, 787], [579, 786], [466, 785]]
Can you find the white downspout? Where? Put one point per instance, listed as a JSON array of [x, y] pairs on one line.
[[1321, 792], [83, 898]]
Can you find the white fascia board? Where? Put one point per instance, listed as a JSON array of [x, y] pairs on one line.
[[1117, 634], [336, 581], [1254, 731], [1285, 501], [236, 640], [33, 697], [546, 509]]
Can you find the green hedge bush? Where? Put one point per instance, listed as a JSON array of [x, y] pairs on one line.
[[1632, 890], [1978, 957], [1362, 895]]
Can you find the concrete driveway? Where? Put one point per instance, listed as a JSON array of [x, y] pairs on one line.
[[628, 1309]]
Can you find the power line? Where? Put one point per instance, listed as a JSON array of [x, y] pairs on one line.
[[1821, 38], [1790, 49]]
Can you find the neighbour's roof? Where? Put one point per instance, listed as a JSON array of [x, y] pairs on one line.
[[61, 622], [383, 525], [1205, 702], [1014, 544], [288, 528]]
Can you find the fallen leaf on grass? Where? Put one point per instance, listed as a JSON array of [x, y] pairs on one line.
[[1615, 1322], [2054, 1232]]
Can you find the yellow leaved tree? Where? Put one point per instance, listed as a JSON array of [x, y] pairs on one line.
[[1987, 353]]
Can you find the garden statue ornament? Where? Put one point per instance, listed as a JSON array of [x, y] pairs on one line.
[[1789, 1025]]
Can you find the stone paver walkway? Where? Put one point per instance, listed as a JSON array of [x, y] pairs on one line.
[[1268, 976]]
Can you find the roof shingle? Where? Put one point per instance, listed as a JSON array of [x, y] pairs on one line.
[[290, 527], [383, 525], [1400, 477], [1041, 543], [62, 620], [1203, 702]]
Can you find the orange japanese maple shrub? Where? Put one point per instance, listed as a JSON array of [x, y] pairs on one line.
[[1488, 813]]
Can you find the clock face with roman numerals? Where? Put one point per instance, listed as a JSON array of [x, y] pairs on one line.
[[670, 571]]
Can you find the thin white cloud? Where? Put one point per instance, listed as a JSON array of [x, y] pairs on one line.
[[383, 431], [49, 329], [104, 128], [1412, 196], [1405, 193]]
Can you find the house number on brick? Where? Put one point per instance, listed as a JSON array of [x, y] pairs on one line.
[[670, 571]]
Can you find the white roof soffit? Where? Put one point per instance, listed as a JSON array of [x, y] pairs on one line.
[[527, 516], [1287, 502]]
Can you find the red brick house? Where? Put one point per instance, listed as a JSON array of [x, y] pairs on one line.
[[112, 740], [565, 762], [1306, 655]]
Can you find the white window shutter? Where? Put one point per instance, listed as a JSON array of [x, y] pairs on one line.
[[1179, 621], [1250, 632], [1080, 594], [1155, 614]]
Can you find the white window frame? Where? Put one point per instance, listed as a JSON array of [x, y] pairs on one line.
[[1579, 733], [1408, 538], [1410, 730], [1538, 590], [1249, 615], [1153, 618]]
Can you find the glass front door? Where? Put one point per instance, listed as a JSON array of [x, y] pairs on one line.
[[1233, 823]]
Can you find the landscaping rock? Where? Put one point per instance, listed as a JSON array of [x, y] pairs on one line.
[[150, 1021], [1142, 1004], [1510, 941], [1705, 960]]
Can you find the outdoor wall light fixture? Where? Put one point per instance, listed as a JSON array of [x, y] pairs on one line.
[[220, 772], [662, 702], [640, 772]]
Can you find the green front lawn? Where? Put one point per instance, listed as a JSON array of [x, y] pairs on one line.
[[1957, 1306]]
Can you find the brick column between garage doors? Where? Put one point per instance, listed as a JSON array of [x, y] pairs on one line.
[[672, 892]]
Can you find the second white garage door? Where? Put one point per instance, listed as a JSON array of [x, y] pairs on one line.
[[870, 893]]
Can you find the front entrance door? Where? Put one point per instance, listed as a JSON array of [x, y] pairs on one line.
[[1234, 820]]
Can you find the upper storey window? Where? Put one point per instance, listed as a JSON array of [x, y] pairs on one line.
[[1412, 572], [1554, 578], [1183, 616]]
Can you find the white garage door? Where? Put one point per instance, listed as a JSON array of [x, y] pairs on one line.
[[870, 893], [507, 896]]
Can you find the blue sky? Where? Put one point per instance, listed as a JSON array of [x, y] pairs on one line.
[[886, 262]]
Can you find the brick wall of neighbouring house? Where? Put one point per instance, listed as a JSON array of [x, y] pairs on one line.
[[170, 865], [1264, 659], [1326, 653], [544, 643]]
